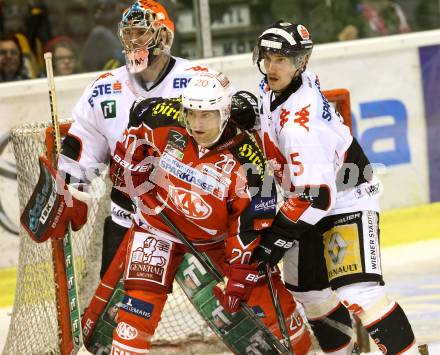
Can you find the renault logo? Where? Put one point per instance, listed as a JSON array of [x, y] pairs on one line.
[[337, 248]]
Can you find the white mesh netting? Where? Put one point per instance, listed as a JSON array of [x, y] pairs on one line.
[[34, 328]]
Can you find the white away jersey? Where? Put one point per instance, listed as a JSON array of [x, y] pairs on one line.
[[102, 113], [306, 143]]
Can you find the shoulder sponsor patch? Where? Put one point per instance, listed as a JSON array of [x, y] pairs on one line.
[[176, 153], [137, 307], [102, 76], [197, 68], [250, 153], [167, 108]]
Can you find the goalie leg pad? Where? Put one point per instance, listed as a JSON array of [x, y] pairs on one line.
[[138, 317]]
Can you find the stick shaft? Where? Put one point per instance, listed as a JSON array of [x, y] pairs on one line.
[[53, 102], [278, 310], [69, 259]]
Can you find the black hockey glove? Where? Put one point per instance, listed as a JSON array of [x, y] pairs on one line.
[[244, 110], [274, 243], [277, 239]]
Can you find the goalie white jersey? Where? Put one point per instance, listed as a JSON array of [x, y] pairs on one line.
[[101, 115], [309, 148]]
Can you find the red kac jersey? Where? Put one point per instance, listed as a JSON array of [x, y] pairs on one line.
[[210, 194]]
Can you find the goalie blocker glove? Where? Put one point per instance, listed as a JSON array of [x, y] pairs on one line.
[[52, 206]]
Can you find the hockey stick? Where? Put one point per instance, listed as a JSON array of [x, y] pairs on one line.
[[211, 268], [278, 310], [71, 279]]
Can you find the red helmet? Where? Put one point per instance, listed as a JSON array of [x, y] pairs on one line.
[[140, 33]]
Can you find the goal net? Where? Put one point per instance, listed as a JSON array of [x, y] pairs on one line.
[[34, 327]]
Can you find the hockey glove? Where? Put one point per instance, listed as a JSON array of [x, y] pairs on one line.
[[241, 281], [53, 205], [130, 170], [273, 245], [244, 109]]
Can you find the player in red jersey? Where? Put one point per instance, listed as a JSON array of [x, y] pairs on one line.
[[209, 178]]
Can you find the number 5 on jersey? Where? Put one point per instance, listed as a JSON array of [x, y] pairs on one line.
[[297, 163]]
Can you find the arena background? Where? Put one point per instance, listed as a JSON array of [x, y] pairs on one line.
[[395, 90]]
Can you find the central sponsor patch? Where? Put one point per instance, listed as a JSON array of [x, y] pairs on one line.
[[149, 258], [137, 307], [192, 176], [190, 203]]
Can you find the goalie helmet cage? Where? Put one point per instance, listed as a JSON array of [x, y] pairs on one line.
[[40, 317]]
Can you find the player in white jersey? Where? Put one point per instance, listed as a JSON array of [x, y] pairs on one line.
[[101, 114], [328, 226]]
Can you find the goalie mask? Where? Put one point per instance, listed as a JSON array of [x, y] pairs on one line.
[[141, 34], [206, 106], [285, 39]]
